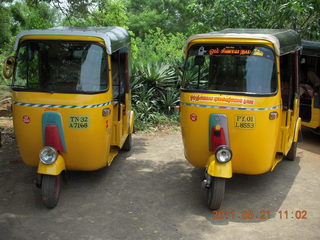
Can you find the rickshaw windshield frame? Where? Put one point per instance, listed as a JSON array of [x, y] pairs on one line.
[[273, 77], [82, 79]]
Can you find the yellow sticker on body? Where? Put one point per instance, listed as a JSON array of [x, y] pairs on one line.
[[245, 121], [257, 52], [79, 121]]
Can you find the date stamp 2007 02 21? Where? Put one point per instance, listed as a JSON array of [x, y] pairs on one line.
[[262, 214]]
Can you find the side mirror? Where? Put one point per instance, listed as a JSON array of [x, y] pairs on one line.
[[8, 66]]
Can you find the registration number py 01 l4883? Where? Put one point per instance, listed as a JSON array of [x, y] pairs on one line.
[[245, 121]]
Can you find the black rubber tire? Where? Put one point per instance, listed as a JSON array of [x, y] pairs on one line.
[[215, 193], [291, 156], [300, 137], [51, 187], [128, 143], [38, 180]]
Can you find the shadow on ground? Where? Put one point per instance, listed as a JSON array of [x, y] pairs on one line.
[[310, 141], [148, 193]]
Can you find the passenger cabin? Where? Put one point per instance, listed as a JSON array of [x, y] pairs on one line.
[[310, 84], [272, 71], [84, 66]]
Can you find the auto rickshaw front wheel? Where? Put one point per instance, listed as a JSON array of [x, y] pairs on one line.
[[50, 187], [215, 192]]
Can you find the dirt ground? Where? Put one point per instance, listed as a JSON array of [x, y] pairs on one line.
[[153, 193]]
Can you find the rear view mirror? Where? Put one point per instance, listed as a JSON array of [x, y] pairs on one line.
[[8, 67], [199, 60]]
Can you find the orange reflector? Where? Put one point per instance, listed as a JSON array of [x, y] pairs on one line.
[[273, 115]]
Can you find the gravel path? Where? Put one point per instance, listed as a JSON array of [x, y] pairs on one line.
[[153, 193]]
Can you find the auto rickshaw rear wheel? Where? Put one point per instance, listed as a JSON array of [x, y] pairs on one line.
[[38, 180], [215, 193], [291, 156], [50, 187], [128, 143]]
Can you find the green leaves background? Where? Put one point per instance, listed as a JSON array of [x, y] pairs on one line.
[[159, 29]]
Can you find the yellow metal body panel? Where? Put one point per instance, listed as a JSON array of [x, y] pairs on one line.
[[223, 170], [62, 37], [290, 127], [278, 159], [87, 148], [112, 154], [52, 169], [296, 130], [121, 128], [254, 150], [131, 121]]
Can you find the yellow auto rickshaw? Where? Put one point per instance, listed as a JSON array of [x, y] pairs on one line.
[[310, 85], [239, 108], [71, 100]]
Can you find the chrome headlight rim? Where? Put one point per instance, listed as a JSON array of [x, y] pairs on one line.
[[44, 153], [226, 150]]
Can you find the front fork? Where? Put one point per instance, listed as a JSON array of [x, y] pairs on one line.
[[206, 183], [54, 169], [49, 180], [214, 181], [216, 169]]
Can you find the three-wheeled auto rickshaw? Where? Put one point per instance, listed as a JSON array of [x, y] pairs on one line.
[[239, 108], [71, 100], [310, 85]]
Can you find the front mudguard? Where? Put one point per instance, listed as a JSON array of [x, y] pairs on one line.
[[216, 169], [52, 169]]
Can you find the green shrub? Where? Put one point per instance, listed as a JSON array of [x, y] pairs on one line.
[[154, 94], [158, 47]]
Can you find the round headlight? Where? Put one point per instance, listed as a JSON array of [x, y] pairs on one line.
[[223, 154], [48, 155]]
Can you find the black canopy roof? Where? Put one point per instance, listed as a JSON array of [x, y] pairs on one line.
[[113, 37], [310, 48], [284, 40]]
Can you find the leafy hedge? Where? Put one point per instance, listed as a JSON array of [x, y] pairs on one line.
[[156, 77], [156, 53]]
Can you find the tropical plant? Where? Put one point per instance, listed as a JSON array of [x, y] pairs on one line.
[[169, 100], [157, 75], [159, 30], [154, 93]]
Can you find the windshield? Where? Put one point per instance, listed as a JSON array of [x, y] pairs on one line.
[[61, 66], [230, 68]]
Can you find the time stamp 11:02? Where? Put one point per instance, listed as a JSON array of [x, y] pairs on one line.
[[262, 214]]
